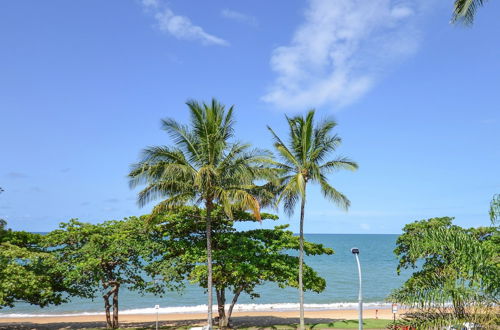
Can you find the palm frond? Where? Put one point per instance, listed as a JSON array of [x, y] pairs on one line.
[[341, 163], [465, 10], [283, 150], [182, 138], [163, 189], [334, 195], [302, 159]]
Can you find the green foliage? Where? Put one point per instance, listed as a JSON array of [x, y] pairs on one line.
[[465, 10], [3, 223], [242, 259], [204, 167], [302, 161], [456, 266], [495, 209], [102, 258], [27, 271]]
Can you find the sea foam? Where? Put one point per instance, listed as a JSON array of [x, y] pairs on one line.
[[277, 307]]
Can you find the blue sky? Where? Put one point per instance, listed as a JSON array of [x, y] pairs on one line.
[[84, 84]]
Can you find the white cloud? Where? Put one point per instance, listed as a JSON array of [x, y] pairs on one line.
[[239, 17], [340, 50], [178, 26], [151, 3], [365, 226]]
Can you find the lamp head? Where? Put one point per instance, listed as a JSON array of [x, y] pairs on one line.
[[355, 251]]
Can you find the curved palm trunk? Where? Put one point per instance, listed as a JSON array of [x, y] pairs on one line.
[[301, 263], [209, 206]]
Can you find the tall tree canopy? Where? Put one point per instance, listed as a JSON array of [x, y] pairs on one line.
[[242, 259], [103, 258], [204, 166], [28, 272], [305, 158]]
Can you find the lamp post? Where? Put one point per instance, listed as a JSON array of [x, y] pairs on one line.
[[355, 251]]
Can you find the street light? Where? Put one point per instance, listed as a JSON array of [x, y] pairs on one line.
[[355, 251]]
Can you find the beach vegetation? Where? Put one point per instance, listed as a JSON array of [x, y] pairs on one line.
[[205, 165], [456, 273], [495, 210], [242, 260], [464, 11], [101, 259], [305, 158], [27, 271]]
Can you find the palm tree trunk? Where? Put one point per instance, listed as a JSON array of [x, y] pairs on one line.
[[301, 263], [209, 206]]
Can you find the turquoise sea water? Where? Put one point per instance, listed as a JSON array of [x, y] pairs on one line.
[[340, 271]]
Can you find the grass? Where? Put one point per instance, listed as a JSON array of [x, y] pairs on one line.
[[345, 324]]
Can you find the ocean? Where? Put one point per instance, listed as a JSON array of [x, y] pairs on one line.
[[378, 264]]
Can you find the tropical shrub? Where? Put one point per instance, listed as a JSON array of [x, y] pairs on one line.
[[456, 277]]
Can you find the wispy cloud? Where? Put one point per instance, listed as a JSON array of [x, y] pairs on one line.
[[365, 226], [179, 26], [239, 17], [357, 213], [16, 175], [112, 200], [36, 189], [337, 54]]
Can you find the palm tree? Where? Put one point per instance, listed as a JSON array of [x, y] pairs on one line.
[[303, 160], [204, 167], [465, 10]]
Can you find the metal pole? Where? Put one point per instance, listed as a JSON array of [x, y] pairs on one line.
[[157, 307], [355, 251]]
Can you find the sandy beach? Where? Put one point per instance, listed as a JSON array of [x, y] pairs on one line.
[[241, 319]]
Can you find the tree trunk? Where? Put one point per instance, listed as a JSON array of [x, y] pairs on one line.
[[458, 306], [230, 310], [115, 306], [107, 307], [209, 206], [301, 262], [221, 302]]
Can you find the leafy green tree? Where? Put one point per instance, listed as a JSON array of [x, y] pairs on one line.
[[454, 265], [2, 221], [495, 209], [242, 259], [205, 166], [465, 10], [303, 160], [27, 271], [103, 258]]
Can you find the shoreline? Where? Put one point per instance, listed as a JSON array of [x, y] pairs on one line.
[[260, 318], [201, 309]]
